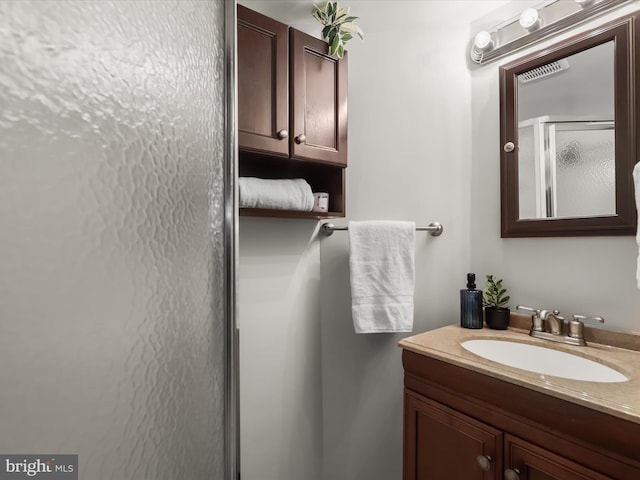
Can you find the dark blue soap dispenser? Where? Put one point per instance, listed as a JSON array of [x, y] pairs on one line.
[[471, 304]]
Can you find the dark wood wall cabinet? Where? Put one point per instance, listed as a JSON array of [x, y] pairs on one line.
[[292, 110], [463, 425]]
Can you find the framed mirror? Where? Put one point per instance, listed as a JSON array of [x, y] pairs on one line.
[[568, 136]]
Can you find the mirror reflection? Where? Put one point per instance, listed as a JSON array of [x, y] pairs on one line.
[[566, 127], [568, 136]]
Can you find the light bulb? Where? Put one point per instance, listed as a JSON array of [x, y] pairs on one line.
[[584, 3], [483, 41], [530, 19]]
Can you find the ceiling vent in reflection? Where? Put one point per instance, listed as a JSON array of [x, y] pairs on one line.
[[543, 71]]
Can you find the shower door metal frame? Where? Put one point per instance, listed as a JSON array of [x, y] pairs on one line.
[[231, 393]]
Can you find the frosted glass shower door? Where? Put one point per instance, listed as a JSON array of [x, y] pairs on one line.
[[566, 168], [585, 170], [111, 235]]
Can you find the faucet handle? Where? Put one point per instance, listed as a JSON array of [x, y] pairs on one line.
[[528, 309], [587, 318], [576, 325], [536, 319]]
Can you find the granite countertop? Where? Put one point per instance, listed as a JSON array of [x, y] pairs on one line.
[[619, 399]]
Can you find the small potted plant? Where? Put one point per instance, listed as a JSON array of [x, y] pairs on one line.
[[496, 311], [338, 26]]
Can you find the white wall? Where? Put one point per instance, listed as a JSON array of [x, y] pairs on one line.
[[319, 402], [409, 156], [409, 151], [280, 390], [594, 275]]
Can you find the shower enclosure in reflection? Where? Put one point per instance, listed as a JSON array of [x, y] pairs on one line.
[[566, 168]]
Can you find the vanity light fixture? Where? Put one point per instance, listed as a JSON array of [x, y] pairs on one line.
[[546, 19], [530, 19], [482, 43]]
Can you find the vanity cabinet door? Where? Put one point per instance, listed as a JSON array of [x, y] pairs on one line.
[[319, 101], [263, 109], [443, 444], [529, 462]]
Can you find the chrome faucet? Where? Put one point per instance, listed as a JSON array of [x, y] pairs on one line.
[[553, 321], [550, 326], [544, 321]]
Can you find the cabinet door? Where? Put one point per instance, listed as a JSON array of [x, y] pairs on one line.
[[263, 109], [530, 462], [319, 101], [442, 444]]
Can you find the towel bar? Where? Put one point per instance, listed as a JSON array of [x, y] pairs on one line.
[[435, 229]]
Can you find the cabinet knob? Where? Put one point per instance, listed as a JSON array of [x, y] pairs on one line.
[[510, 474], [509, 147], [282, 134], [300, 138], [485, 462]]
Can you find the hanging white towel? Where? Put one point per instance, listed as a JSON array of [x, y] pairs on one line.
[[382, 263], [636, 182], [283, 194]]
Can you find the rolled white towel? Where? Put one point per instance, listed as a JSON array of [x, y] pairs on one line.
[[281, 194]]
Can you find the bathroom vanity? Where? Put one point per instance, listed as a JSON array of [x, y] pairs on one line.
[[470, 418]]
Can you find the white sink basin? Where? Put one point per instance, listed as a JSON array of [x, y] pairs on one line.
[[546, 361]]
